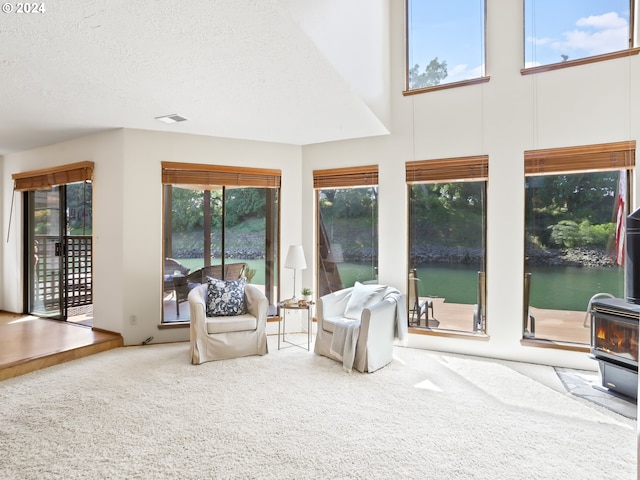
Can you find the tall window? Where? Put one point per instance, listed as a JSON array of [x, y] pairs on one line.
[[560, 32], [575, 199], [447, 218], [347, 233], [220, 222], [445, 42]]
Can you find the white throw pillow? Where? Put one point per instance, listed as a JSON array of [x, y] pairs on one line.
[[363, 296]]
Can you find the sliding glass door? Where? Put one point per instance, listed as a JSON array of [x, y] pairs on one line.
[[45, 238], [58, 248], [58, 266]]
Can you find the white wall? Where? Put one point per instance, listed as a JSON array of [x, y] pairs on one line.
[[596, 103], [357, 44], [106, 151], [4, 213], [143, 266], [127, 226]]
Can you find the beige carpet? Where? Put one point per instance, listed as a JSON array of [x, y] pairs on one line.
[[147, 413]]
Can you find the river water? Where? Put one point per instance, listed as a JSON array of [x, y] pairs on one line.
[[558, 288]]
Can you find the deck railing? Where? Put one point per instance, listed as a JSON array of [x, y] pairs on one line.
[[73, 277]]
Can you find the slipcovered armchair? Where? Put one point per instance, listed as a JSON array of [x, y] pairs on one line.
[[219, 337], [358, 326]]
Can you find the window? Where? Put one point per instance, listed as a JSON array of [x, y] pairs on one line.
[[445, 43], [574, 199], [563, 32], [447, 218], [221, 222], [347, 230]]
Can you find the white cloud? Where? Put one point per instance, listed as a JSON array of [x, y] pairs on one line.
[[600, 34], [540, 41], [463, 72], [609, 20]]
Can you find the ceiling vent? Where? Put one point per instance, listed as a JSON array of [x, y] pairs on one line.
[[173, 118]]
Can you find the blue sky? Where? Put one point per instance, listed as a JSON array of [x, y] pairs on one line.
[[576, 28], [452, 31]]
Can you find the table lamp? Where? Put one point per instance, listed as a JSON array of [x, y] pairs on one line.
[[295, 260]]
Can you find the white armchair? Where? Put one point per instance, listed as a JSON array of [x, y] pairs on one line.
[[367, 317], [223, 337]]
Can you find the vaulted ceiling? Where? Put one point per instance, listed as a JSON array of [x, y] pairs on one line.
[[287, 71]]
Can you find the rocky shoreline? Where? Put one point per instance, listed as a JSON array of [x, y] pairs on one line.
[[575, 257]]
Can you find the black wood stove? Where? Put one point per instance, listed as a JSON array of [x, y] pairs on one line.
[[614, 343], [614, 322]]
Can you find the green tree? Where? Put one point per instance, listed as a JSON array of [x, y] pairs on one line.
[[188, 209], [447, 213], [240, 204], [559, 205], [351, 203], [79, 208], [571, 234], [244, 203], [433, 74]]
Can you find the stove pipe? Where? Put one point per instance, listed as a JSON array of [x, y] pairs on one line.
[[632, 258]]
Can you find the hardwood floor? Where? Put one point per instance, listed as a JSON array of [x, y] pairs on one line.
[[29, 343]]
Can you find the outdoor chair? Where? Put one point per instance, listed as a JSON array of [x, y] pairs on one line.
[[357, 326], [172, 267], [479, 314], [234, 271], [222, 333], [183, 285], [417, 307], [528, 320]]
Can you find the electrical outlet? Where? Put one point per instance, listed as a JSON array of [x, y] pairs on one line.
[[133, 320]]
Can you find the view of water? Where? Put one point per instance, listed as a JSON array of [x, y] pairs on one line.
[[558, 288], [570, 288]]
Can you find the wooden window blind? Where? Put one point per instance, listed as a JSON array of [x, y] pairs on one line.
[[605, 156], [346, 177], [49, 177], [218, 175], [448, 169]]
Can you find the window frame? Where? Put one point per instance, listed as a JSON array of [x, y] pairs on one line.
[[206, 176], [574, 160], [472, 81], [449, 170], [339, 178], [628, 52]]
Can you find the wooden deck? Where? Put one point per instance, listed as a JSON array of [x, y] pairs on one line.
[[553, 325], [29, 343]]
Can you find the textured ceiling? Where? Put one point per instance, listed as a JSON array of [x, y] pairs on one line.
[[271, 70]]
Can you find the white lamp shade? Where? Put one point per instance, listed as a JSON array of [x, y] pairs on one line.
[[295, 258]]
